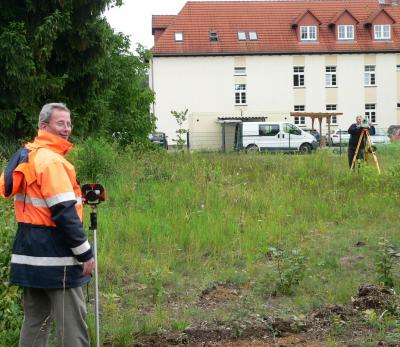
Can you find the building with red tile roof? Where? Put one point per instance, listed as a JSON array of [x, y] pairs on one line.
[[215, 57]]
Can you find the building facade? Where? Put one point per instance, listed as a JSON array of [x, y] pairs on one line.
[[231, 61]]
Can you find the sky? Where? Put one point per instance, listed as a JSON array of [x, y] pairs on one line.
[[133, 18]]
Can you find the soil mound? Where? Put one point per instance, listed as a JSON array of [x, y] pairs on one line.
[[372, 296]]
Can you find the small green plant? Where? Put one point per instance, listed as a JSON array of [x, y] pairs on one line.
[[181, 132], [156, 285], [387, 256], [179, 325], [289, 268]]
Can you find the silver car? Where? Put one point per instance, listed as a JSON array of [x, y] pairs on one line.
[[340, 136], [381, 137]]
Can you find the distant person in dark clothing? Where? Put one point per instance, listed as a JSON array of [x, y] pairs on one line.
[[355, 131]]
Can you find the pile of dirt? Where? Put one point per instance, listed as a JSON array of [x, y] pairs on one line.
[[219, 295], [253, 327], [323, 315], [371, 296]]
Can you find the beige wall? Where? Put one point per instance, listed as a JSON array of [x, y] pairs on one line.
[[205, 86]]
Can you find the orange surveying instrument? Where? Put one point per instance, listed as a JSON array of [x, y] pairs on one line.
[[368, 149]]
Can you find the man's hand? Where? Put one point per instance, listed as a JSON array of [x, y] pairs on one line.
[[88, 267]]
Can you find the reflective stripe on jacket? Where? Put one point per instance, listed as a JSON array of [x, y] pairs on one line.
[[50, 243]]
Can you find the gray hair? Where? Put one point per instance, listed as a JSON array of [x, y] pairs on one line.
[[47, 111]]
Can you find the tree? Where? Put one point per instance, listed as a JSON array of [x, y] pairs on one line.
[[52, 50], [181, 132]]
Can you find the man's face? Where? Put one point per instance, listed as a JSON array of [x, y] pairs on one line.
[[59, 123], [358, 119]]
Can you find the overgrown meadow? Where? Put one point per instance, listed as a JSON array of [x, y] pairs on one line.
[[293, 232]]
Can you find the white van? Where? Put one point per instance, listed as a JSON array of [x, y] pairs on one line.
[[273, 136]]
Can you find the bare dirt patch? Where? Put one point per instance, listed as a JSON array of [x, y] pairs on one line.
[[219, 295], [263, 331]]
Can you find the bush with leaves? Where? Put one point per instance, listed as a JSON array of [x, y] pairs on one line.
[[95, 158], [10, 296], [288, 268], [387, 257]]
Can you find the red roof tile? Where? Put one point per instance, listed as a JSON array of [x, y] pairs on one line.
[[375, 14], [297, 21], [340, 14], [272, 20], [162, 21]]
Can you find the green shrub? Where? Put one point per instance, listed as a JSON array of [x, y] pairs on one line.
[[10, 296], [288, 269], [95, 158], [388, 255]]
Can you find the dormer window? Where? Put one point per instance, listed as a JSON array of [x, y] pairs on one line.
[[178, 36], [346, 32], [242, 36], [253, 35], [213, 36], [382, 32], [308, 33]]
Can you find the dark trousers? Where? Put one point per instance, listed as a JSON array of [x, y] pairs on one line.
[[352, 151]]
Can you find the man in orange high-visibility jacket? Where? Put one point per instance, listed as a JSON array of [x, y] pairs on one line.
[[51, 257]]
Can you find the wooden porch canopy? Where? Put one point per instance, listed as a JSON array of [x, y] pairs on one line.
[[320, 116]]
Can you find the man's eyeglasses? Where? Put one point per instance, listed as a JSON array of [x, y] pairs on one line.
[[61, 124]]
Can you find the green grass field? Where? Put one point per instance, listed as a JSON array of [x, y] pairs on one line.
[[291, 232], [284, 227]]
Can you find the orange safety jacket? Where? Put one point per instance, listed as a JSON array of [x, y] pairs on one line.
[[50, 244]]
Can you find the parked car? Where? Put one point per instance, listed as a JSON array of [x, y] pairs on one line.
[[313, 132], [380, 137], [273, 136], [394, 132], [339, 137], [159, 139]]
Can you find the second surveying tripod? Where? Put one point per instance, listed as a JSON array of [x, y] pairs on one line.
[[368, 148]]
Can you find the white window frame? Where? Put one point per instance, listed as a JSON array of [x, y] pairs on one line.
[[253, 36], [299, 120], [370, 112], [242, 36], [332, 107], [299, 108], [369, 75], [240, 94], [330, 76], [301, 79], [346, 32], [240, 71], [308, 33], [179, 36], [382, 32]]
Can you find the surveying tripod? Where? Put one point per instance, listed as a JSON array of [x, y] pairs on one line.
[[368, 148]]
